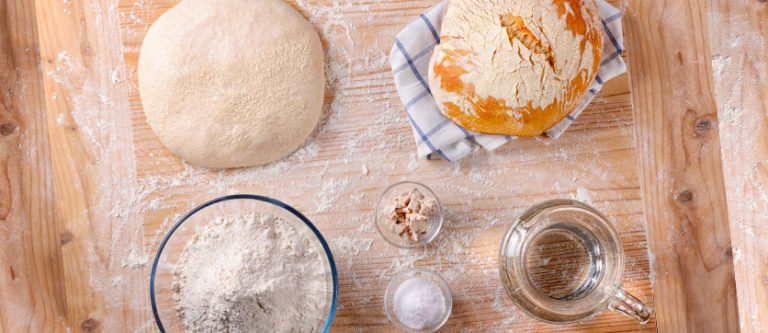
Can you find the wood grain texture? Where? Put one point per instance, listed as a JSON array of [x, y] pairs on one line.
[[118, 189], [365, 143], [81, 62], [677, 130], [738, 34], [32, 295]]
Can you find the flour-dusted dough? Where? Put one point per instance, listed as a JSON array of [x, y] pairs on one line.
[[232, 83]]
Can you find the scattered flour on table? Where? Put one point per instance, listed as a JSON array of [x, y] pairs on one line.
[[413, 165], [250, 273], [61, 120], [583, 195], [115, 77], [352, 246], [331, 193], [359, 85], [136, 259]]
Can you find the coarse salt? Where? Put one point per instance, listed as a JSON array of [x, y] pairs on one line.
[[419, 303]]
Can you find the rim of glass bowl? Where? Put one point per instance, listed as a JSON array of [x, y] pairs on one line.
[[425, 240], [275, 202]]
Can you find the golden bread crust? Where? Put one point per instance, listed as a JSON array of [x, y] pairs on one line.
[[490, 111]]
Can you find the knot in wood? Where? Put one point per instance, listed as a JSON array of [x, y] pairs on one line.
[[65, 237], [6, 129], [728, 253], [704, 125], [89, 325], [685, 196]]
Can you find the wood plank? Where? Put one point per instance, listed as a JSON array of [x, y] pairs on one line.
[[105, 273], [682, 176], [32, 295], [738, 34]]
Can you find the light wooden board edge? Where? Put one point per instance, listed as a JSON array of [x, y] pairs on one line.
[[32, 293], [80, 56], [684, 194], [70, 158], [738, 34]]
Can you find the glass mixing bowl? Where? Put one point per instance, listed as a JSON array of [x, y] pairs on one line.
[[161, 294]]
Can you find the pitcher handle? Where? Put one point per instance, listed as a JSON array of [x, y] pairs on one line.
[[623, 302]]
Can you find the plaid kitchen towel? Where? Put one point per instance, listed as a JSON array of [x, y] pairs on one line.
[[438, 136]]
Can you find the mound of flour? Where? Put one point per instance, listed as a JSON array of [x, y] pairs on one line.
[[250, 273]]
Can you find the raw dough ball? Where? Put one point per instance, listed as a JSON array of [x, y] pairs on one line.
[[232, 83]]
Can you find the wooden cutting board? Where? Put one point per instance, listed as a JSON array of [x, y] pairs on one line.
[[653, 168], [366, 129]]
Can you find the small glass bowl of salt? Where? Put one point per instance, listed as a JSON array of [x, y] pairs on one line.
[[418, 300]]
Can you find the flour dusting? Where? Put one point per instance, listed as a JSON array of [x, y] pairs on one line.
[[362, 144], [740, 75], [250, 273]]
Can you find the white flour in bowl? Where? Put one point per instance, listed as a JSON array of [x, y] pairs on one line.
[[250, 273]]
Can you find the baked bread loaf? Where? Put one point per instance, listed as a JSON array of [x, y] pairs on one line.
[[515, 67]]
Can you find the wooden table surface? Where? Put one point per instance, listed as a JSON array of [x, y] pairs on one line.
[[674, 152]]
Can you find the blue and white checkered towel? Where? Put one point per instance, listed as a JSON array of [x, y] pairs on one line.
[[436, 135]]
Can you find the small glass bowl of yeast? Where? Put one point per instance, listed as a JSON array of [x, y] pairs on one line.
[[408, 215]]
